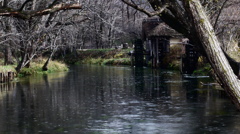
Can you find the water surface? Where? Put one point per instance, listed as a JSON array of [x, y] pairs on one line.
[[115, 100]]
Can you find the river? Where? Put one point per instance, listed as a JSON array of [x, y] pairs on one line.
[[92, 99]]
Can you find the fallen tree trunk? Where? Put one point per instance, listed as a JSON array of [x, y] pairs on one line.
[[211, 45]]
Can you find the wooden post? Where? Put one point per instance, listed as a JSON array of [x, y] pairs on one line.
[[154, 54], [138, 49], [10, 76], [6, 77], [132, 59], [157, 52], [1, 77]]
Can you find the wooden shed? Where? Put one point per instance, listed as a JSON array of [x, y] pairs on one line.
[[158, 37]]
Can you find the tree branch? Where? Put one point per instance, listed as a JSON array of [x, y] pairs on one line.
[[149, 14], [24, 4], [219, 13], [28, 15], [70, 22]]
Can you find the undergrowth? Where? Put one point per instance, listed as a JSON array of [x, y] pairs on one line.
[[204, 70], [104, 57], [36, 68]]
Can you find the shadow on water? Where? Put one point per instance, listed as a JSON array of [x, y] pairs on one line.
[[149, 84], [105, 100]]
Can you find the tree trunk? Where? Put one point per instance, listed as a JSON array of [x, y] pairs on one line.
[[8, 58], [211, 45], [45, 66], [28, 63], [23, 60], [21, 63]]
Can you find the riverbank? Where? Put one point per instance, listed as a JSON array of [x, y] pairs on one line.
[[104, 56], [121, 57], [36, 68], [100, 57], [7, 73]]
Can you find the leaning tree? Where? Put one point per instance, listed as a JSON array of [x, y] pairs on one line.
[[190, 18]]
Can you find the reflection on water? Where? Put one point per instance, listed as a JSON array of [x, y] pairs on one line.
[[109, 100]]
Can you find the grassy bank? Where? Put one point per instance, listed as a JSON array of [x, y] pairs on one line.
[[8, 68], [36, 68], [104, 57]]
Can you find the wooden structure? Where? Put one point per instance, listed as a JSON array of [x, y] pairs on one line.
[[158, 37], [6, 76], [189, 59], [138, 53]]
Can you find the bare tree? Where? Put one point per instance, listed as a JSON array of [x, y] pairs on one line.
[[7, 40], [109, 24], [35, 24], [31, 26]]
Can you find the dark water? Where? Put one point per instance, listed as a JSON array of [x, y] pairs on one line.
[[115, 100]]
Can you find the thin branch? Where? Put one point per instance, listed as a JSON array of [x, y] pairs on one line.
[[71, 22], [219, 13], [149, 14], [3, 42], [9, 34], [28, 15], [53, 3]]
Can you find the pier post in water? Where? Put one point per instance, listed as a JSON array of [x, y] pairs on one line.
[[138, 51], [6, 76]]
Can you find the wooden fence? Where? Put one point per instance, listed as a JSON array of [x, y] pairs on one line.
[[6, 76]]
